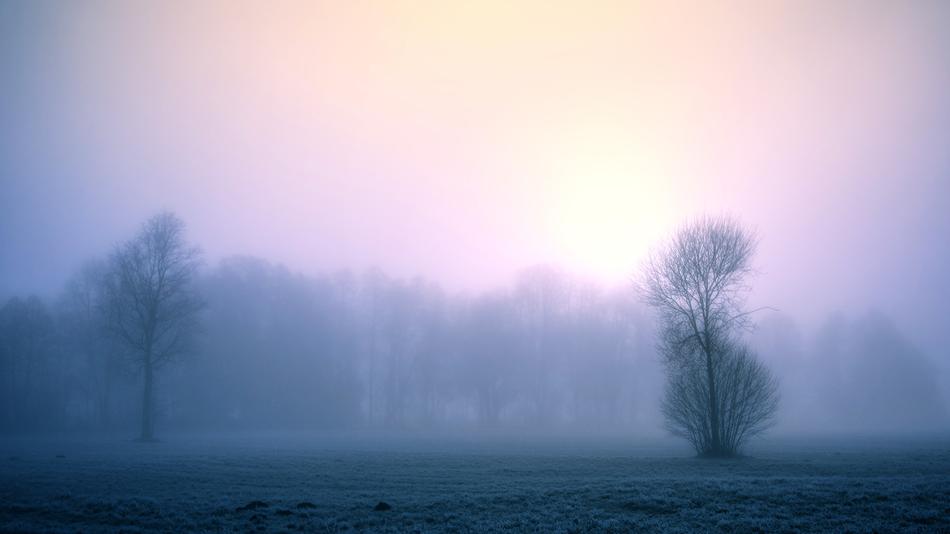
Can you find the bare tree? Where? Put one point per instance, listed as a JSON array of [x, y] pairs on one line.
[[746, 396], [150, 302], [718, 395]]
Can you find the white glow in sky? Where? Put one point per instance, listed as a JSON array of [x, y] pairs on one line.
[[465, 142]]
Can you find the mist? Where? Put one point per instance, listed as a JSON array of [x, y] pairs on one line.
[[451, 174], [279, 350], [432, 220]]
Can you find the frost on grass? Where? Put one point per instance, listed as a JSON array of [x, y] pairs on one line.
[[216, 488]]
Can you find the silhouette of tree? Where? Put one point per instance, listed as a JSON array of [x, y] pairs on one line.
[[151, 304], [717, 394]]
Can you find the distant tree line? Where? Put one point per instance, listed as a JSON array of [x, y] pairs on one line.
[[277, 349], [262, 347], [854, 374]]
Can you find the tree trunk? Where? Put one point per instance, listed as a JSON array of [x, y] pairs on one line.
[[147, 434], [715, 442]]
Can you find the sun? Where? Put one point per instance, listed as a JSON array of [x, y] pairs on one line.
[[608, 204]]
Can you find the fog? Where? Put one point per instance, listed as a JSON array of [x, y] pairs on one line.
[[432, 217]]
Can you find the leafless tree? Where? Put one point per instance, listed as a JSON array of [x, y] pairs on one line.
[[718, 395], [151, 304], [746, 397]]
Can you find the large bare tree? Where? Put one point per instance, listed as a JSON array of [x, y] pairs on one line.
[[718, 395], [151, 303]]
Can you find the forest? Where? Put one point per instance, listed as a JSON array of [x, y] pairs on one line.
[[275, 349]]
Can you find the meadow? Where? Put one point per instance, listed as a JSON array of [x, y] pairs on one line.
[[451, 483]]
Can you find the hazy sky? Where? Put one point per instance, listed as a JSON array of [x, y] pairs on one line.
[[463, 141]]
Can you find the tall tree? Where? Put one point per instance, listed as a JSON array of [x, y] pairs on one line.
[[697, 283], [152, 306]]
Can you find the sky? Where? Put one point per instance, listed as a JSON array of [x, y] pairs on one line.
[[463, 141]]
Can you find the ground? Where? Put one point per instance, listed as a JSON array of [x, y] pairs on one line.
[[553, 484]]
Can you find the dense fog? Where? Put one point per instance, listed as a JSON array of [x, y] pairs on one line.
[[278, 350], [406, 226]]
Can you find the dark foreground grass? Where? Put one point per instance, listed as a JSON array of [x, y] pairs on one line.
[[339, 485]]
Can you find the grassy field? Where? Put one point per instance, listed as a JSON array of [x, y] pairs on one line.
[[454, 484]]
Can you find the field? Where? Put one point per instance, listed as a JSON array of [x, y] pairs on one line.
[[241, 484]]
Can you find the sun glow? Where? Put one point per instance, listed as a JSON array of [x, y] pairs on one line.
[[611, 199]]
